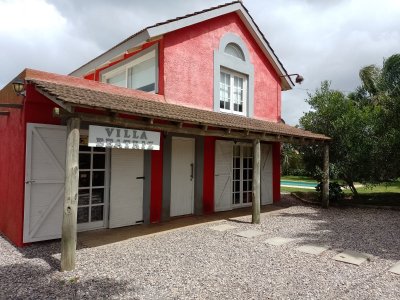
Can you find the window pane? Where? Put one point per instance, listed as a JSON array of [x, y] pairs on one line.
[[225, 90], [84, 148], [97, 213], [84, 161], [99, 149], [83, 214], [84, 178], [234, 50], [118, 79], [97, 196], [99, 161], [143, 76], [84, 196], [98, 178]]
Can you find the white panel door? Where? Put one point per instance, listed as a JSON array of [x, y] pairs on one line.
[[223, 175], [44, 182], [126, 191], [266, 174], [182, 176]]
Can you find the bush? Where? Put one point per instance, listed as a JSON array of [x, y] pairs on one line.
[[335, 191]]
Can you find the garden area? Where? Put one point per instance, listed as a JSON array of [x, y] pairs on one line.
[[364, 161], [384, 194]]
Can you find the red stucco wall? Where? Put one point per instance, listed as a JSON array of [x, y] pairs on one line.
[[12, 174], [36, 109], [188, 66]]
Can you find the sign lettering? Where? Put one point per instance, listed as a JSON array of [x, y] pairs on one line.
[[112, 137]]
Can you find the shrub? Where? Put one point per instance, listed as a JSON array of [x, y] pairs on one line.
[[335, 191]]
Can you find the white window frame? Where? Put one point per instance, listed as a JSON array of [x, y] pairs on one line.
[[231, 102], [137, 59]]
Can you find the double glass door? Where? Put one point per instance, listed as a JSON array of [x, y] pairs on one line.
[[242, 177]]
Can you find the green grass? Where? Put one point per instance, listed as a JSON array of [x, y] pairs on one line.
[[387, 194], [294, 189], [298, 178]]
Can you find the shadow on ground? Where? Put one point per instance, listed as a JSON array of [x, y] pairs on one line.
[[43, 283]]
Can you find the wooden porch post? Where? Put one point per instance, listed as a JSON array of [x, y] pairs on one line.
[[256, 182], [325, 179], [69, 224]]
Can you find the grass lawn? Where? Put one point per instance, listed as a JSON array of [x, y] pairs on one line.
[[387, 194]]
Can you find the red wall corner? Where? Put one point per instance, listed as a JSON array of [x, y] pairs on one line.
[[208, 179], [276, 172]]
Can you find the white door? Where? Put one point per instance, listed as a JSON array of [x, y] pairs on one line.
[[182, 176], [44, 182], [266, 174], [126, 192], [223, 175]]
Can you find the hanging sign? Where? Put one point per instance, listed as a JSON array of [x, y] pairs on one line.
[[112, 137]]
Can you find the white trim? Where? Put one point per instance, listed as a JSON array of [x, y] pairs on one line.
[[162, 29]]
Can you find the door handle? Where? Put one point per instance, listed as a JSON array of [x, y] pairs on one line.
[[140, 177], [191, 172], [30, 181]]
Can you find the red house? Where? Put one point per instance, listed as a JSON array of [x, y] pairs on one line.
[[168, 120]]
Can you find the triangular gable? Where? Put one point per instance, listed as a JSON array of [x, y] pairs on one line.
[[159, 29]]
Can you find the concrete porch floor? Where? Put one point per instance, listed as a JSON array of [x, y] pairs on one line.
[[95, 238]]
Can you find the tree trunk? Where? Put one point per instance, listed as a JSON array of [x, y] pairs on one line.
[[325, 178], [256, 182], [353, 188], [69, 224]]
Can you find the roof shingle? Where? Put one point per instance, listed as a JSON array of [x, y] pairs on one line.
[[83, 92]]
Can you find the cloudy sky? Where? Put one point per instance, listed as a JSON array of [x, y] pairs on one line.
[[321, 39]]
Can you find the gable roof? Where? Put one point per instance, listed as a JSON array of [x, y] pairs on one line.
[[162, 28], [80, 92]]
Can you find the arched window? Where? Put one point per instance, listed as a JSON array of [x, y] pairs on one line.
[[233, 77], [234, 50]]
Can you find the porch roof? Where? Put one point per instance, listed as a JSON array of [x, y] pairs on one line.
[[69, 91]]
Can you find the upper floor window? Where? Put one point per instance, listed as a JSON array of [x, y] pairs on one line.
[[233, 92], [233, 77], [138, 73]]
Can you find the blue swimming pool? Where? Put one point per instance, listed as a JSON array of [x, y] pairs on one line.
[[299, 183]]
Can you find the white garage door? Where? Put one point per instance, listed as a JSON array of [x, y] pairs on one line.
[[44, 182]]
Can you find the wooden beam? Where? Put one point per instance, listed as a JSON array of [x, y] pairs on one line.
[[256, 203], [325, 178], [175, 127], [11, 105], [4, 113], [69, 223]]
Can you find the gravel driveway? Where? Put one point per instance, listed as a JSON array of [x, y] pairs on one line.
[[200, 263]]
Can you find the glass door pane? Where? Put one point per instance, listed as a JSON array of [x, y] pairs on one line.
[[92, 183]]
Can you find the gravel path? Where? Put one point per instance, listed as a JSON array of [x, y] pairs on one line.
[[199, 263]]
